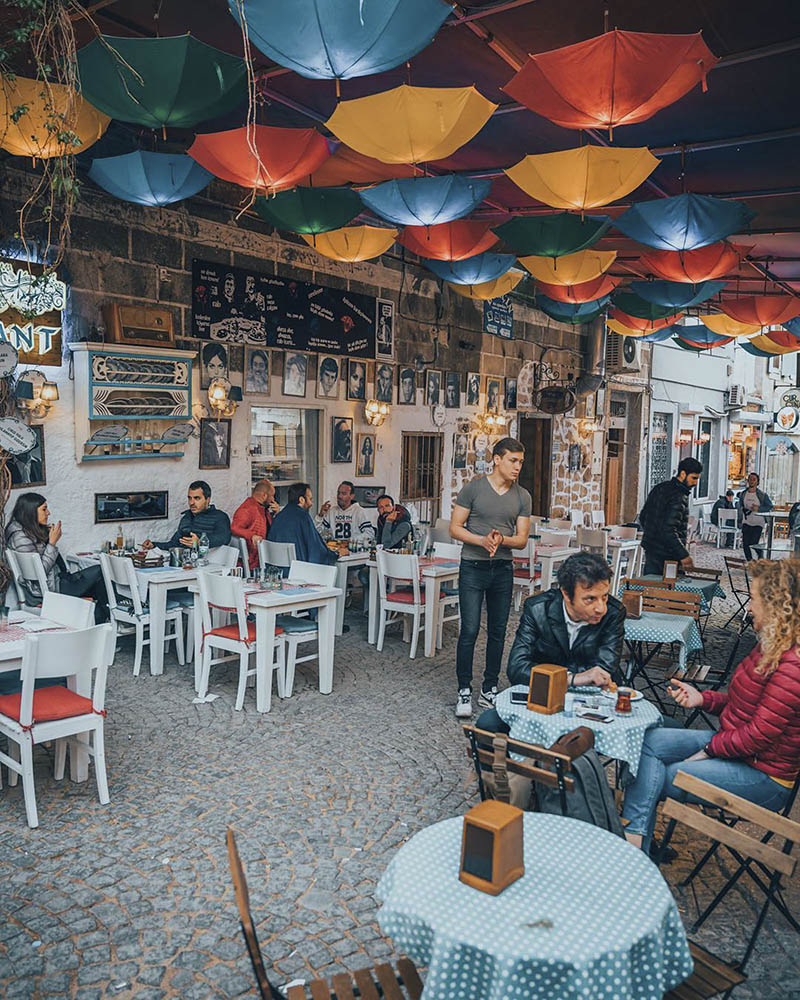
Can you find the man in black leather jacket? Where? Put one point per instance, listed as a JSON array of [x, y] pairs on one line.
[[665, 519]]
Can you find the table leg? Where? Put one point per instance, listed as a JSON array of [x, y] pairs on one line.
[[547, 571], [198, 641], [158, 609], [431, 614], [372, 620], [78, 757], [265, 655], [325, 625], [770, 528], [341, 583]]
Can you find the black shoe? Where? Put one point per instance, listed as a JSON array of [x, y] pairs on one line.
[[668, 854], [345, 628]]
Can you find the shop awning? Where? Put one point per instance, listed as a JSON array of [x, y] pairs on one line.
[[750, 417]]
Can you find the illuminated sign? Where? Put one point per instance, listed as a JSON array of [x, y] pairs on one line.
[[30, 313]]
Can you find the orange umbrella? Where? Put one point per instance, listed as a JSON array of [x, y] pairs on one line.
[[51, 111], [572, 268], [352, 243], [586, 291], [346, 166], [692, 266], [450, 240], [489, 289], [726, 327], [766, 310], [644, 325], [617, 78]]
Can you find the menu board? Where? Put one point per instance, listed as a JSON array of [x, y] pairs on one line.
[[239, 306]]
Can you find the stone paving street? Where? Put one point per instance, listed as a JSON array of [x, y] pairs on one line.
[[134, 899]]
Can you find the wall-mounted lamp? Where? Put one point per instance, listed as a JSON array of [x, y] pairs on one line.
[[490, 422], [35, 393], [375, 412], [223, 397]]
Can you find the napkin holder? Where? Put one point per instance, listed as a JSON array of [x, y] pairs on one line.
[[140, 561], [632, 602], [670, 571], [548, 686], [491, 847]]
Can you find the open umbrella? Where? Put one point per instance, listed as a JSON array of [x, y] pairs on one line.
[[747, 345], [772, 343], [634, 305], [449, 241], [675, 294], [583, 178], [353, 243], [783, 338], [51, 112], [425, 201], [286, 155], [724, 326], [684, 222], [486, 290], [553, 235], [617, 78], [310, 210], [687, 345], [793, 326], [586, 291], [411, 124], [474, 270], [327, 39], [642, 323], [568, 312], [572, 269], [657, 336], [699, 335], [150, 178], [346, 166], [177, 81], [765, 310], [692, 266]]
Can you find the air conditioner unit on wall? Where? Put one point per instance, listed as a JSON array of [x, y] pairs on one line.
[[623, 354], [735, 396]]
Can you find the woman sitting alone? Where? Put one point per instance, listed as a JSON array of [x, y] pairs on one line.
[[756, 752]]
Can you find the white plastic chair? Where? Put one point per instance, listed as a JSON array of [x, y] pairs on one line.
[[593, 540], [728, 527], [27, 569], [598, 518], [525, 574], [224, 555], [550, 538], [298, 630], [405, 568], [129, 615], [447, 550], [74, 612], [620, 531], [55, 712], [276, 554]]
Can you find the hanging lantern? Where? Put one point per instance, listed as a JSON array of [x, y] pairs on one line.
[[411, 124], [328, 39], [675, 294], [699, 336], [586, 291], [553, 235], [487, 290], [617, 78], [449, 241], [685, 222], [159, 82], [346, 166], [765, 310], [56, 121], [425, 201], [572, 269], [285, 154], [724, 326], [568, 312], [150, 178], [692, 266], [353, 243], [583, 178], [474, 270], [310, 210], [642, 323]]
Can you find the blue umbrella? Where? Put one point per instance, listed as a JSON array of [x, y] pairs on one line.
[[635, 305], [793, 327], [675, 294], [685, 222], [340, 39], [474, 270], [699, 336], [150, 178], [568, 312], [425, 201], [658, 335]]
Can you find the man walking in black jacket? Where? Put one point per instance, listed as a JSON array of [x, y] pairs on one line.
[[665, 519]]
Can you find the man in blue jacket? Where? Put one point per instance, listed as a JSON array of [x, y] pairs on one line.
[[295, 524]]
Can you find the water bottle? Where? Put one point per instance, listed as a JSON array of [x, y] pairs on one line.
[[203, 547]]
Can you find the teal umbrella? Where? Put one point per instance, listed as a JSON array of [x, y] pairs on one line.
[[552, 235], [569, 312], [310, 210], [636, 306]]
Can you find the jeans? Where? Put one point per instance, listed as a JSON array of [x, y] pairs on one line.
[[664, 753], [751, 533], [653, 565], [494, 579]]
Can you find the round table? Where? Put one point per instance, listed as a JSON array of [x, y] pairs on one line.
[[591, 918]]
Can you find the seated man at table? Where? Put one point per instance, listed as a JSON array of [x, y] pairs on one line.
[[394, 531], [347, 519], [294, 524], [253, 518], [202, 517]]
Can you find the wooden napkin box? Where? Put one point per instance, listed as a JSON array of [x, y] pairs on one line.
[[632, 602], [491, 847], [141, 561], [547, 689]]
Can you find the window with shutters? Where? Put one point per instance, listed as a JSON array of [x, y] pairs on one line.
[[421, 474]]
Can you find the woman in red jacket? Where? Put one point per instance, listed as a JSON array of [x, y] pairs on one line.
[[756, 752]]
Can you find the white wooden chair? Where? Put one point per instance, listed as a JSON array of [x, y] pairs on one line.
[[440, 532], [129, 615], [576, 518], [526, 576], [620, 531], [623, 560], [404, 568], [224, 555], [55, 712], [447, 550], [593, 540], [244, 555], [598, 519], [728, 528], [74, 612], [276, 554], [552, 539], [28, 573], [298, 630]]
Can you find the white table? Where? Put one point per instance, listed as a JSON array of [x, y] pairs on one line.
[[550, 558], [344, 564], [771, 516]]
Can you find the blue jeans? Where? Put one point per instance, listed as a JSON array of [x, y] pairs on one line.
[[494, 580], [664, 754]]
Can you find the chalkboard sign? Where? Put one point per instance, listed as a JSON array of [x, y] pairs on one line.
[[498, 317], [244, 307]]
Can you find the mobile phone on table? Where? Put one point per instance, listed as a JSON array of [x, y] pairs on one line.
[[519, 697], [595, 717]]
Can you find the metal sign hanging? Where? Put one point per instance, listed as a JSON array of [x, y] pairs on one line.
[[16, 437], [9, 359]]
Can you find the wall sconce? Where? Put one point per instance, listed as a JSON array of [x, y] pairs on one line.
[[375, 413], [35, 394], [491, 423], [223, 397]]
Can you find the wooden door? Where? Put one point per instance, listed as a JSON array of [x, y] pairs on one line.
[[535, 434], [614, 469]]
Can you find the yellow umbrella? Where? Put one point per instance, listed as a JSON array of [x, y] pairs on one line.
[[489, 289], [624, 331], [583, 178], [727, 327], [765, 343], [352, 243], [572, 268], [51, 111], [411, 124]]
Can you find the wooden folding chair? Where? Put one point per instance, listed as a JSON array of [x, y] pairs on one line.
[[739, 585], [382, 981]]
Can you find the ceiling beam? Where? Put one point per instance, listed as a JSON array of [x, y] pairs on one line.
[[92, 8], [486, 12]]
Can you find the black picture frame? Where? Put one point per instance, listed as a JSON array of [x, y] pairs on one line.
[[211, 456], [452, 390], [511, 393], [149, 505], [356, 391], [367, 445], [341, 440], [472, 389], [433, 387], [28, 469], [409, 376], [384, 381], [367, 496], [256, 381], [214, 363]]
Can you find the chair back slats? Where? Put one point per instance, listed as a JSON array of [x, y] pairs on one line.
[[224, 555], [526, 770], [342, 986], [705, 573], [119, 575], [411, 980], [713, 970], [593, 540], [541, 759], [387, 979], [75, 612], [560, 523], [312, 573], [671, 602], [738, 577], [366, 985], [27, 568], [551, 539], [222, 592], [319, 990], [394, 566], [276, 554]]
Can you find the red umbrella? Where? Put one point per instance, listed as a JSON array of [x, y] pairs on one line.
[[766, 310], [618, 78], [286, 154], [782, 338], [692, 266], [646, 325], [449, 240], [586, 291]]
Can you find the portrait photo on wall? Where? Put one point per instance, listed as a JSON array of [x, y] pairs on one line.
[[384, 381], [295, 367], [215, 443], [256, 371], [460, 448], [493, 394], [328, 377], [384, 323], [473, 389], [452, 390], [341, 439], [511, 394], [406, 386], [433, 387], [366, 455], [213, 363], [367, 496], [356, 380], [28, 469]]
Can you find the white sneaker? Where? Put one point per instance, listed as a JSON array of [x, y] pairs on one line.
[[464, 703], [486, 699]]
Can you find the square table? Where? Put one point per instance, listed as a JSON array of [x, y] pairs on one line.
[[771, 516], [656, 628], [343, 564]]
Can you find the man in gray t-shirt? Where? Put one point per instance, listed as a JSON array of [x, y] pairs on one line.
[[491, 516]]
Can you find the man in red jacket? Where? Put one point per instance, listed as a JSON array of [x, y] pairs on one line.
[[253, 518]]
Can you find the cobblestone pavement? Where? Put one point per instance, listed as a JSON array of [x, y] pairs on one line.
[[134, 899]]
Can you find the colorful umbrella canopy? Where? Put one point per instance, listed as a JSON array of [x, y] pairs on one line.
[[553, 235], [618, 78], [411, 124], [747, 345], [657, 336], [770, 345], [425, 201], [177, 81], [473, 271], [793, 326], [285, 155], [449, 241], [642, 323], [346, 166], [568, 312], [675, 294], [654, 335], [583, 178], [724, 326], [783, 338], [327, 39], [765, 310], [692, 266], [572, 269], [586, 291], [310, 210], [51, 109], [486, 290], [150, 178], [353, 243], [634, 305], [687, 345], [699, 335], [684, 222]]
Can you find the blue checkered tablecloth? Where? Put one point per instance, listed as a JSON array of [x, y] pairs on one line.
[[707, 589], [654, 626]]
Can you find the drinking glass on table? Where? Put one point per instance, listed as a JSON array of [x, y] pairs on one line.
[[3, 617], [130, 544], [237, 572]]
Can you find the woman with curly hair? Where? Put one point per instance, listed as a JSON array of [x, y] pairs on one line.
[[756, 752]]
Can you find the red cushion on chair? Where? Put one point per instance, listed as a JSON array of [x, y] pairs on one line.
[[407, 596], [232, 631], [522, 574], [49, 704]]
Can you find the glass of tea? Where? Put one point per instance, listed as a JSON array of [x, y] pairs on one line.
[[623, 706]]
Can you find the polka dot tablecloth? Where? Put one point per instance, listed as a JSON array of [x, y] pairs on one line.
[[591, 918], [621, 739], [656, 627], [707, 589]]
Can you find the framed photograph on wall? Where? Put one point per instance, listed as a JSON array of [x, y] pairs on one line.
[[341, 439], [433, 387], [213, 363], [460, 449], [589, 406], [295, 370], [406, 386], [511, 394], [384, 330], [452, 390], [384, 381], [28, 469], [356, 380], [329, 373], [367, 496], [367, 445], [149, 505], [256, 371], [493, 394], [473, 389], [215, 443]]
